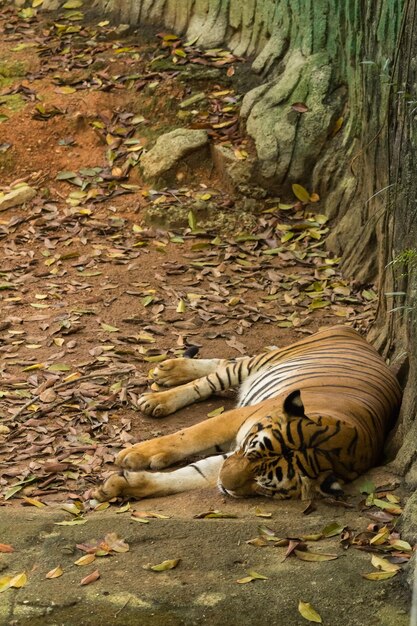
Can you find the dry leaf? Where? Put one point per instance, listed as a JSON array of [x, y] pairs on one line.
[[6, 548], [379, 575], [91, 578], [85, 560], [55, 573], [306, 555], [115, 543], [18, 581], [251, 576], [309, 613], [164, 566]]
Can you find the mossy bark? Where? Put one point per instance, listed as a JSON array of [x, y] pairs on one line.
[[333, 56], [400, 245]]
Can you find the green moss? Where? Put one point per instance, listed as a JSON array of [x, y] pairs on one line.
[[12, 69], [7, 163], [14, 102]]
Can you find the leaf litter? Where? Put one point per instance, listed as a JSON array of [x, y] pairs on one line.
[[85, 310]]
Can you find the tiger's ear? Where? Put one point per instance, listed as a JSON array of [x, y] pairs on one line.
[[293, 405]]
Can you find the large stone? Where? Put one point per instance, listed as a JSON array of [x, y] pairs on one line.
[[16, 196], [169, 149]]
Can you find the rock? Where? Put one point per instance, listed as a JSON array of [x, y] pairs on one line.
[[17, 196], [169, 149], [232, 171]]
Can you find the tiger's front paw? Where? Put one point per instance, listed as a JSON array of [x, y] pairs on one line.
[[157, 404], [111, 488], [148, 454], [126, 484]]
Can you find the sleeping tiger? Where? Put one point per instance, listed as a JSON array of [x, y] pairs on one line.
[[309, 416]]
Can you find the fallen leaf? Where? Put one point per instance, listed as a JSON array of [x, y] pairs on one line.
[[85, 560], [306, 555], [301, 193], [18, 581], [6, 548], [5, 583], [309, 613], [91, 578], [55, 573], [214, 515], [379, 575], [251, 576], [383, 564], [300, 107], [162, 567], [115, 543], [332, 529]]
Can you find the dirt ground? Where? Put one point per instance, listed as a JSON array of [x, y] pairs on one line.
[[94, 292]]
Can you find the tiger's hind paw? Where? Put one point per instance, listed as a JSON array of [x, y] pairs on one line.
[[157, 404]]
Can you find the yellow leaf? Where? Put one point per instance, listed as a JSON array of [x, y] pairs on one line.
[[18, 581], [85, 560], [155, 359], [162, 567], [260, 513], [36, 3], [379, 575], [251, 576], [150, 514], [55, 573], [34, 502], [181, 308], [73, 4], [400, 544], [310, 614], [338, 125], [109, 329], [5, 583], [217, 411], [304, 555], [301, 193], [381, 537], [383, 564], [102, 506]]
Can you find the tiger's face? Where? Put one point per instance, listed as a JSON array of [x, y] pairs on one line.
[[274, 459]]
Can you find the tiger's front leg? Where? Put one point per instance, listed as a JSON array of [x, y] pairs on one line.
[[227, 374], [198, 475], [164, 451]]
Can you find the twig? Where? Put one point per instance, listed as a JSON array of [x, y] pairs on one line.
[[122, 607]]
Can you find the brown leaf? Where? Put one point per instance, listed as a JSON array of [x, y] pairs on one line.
[[6, 548], [306, 555], [300, 107], [91, 578], [115, 543]]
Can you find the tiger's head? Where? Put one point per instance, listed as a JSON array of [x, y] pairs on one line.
[[278, 459]]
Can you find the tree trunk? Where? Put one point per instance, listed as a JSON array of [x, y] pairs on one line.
[[400, 246]]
